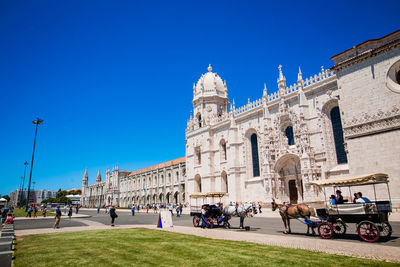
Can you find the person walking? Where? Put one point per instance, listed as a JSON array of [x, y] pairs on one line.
[[177, 211], [171, 209], [44, 211], [58, 218], [70, 213], [29, 212], [98, 209], [180, 209], [113, 215], [259, 207], [34, 211], [133, 210]]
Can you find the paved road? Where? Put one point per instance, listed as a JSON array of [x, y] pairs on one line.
[[272, 226]]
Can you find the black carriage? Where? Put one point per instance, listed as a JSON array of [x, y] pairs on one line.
[[213, 212], [371, 217]]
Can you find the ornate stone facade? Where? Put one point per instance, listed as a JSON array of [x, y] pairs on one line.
[[274, 146], [162, 183]]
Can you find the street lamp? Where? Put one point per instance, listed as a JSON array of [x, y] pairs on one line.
[[23, 182], [37, 122]]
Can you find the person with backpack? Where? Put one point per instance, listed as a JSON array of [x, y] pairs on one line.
[[113, 215], [58, 218]]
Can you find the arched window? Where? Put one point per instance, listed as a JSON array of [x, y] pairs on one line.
[[338, 135], [177, 177], [254, 154], [199, 119], [289, 135], [162, 179], [224, 182], [197, 184], [169, 178], [223, 150], [198, 155]]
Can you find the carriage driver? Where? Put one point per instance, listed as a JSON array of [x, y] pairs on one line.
[[204, 223]]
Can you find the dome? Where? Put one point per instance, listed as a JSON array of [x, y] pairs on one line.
[[210, 84]]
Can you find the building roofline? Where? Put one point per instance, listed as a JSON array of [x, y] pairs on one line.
[[363, 43]]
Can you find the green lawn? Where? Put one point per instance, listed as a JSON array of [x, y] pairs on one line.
[[21, 213], [129, 247]]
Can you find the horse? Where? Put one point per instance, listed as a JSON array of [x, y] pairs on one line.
[[241, 211], [289, 211]]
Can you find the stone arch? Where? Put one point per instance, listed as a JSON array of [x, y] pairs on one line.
[[252, 146], [197, 183], [334, 139], [223, 152], [154, 198], [161, 197], [224, 182], [199, 119], [176, 197], [288, 178], [168, 197]]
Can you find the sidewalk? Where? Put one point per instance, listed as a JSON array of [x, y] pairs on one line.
[[51, 217], [361, 250]]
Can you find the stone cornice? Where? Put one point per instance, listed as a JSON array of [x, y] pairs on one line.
[[364, 56], [367, 124]]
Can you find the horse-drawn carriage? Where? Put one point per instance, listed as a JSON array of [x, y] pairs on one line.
[[370, 217], [213, 212]]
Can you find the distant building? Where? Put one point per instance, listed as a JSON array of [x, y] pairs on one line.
[[36, 196], [161, 183], [76, 199]]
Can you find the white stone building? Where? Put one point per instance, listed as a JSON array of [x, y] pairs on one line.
[[161, 183], [274, 146], [342, 121]]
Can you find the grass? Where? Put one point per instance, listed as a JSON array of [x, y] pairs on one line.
[[18, 212], [132, 247]]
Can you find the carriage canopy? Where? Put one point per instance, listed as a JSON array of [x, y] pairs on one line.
[[366, 179]]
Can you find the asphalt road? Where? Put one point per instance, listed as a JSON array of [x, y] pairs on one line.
[[271, 226]]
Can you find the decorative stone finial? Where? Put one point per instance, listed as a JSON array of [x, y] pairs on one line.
[[300, 75], [265, 90], [280, 73], [209, 68], [322, 70]]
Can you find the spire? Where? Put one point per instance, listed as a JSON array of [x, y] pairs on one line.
[[281, 82], [98, 177], [191, 114], [300, 75], [280, 73], [265, 93], [85, 175], [209, 68]]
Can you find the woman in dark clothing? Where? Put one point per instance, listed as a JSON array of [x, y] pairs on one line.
[[339, 197], [113, 215]]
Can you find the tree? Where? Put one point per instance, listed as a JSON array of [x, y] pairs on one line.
[[7, 197]]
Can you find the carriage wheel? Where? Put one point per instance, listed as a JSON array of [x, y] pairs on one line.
[[196, 221], [385, 230], [339, 227], [368, 231], [210, 222], [325, 230]]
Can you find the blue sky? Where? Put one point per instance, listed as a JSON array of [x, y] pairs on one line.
[[113, 79]]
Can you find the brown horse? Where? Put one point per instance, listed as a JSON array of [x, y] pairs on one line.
[[289, 211]]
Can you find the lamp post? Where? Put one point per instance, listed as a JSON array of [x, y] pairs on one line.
[[37, 122], [23, 182]]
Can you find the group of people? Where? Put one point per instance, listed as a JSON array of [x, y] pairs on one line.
[[338, 199]]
